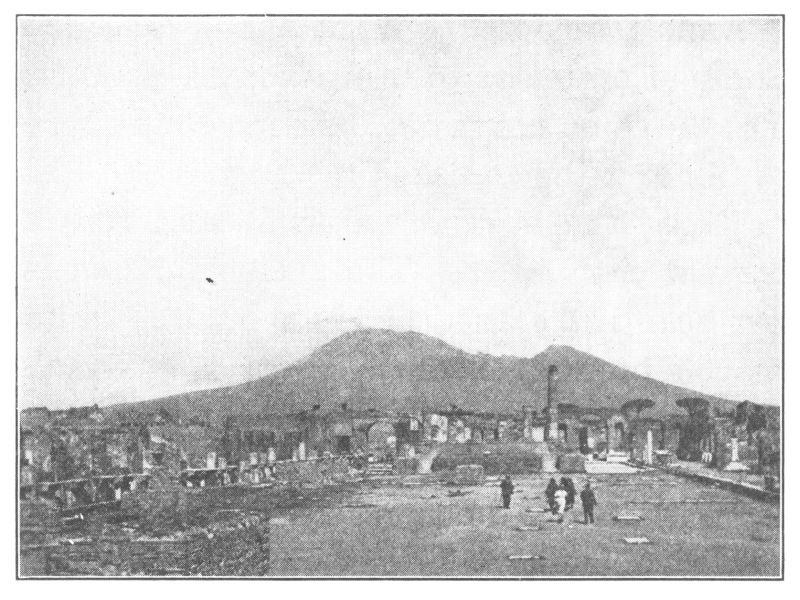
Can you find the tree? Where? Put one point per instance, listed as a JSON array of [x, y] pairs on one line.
[[694, 406], [637, 405], [743, 410], [756, 420], [164, 415], [696, 429]]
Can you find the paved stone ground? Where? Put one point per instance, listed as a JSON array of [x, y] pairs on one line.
[[423, 530], [599, 467]]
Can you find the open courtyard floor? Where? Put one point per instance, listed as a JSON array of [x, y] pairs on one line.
[[432, 530]]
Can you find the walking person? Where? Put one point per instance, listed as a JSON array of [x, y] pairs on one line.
[[550, 494], [589, 501], [561, 503], [506, 489]]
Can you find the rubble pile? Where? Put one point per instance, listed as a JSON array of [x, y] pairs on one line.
[[38, 527], [164, 530], [236, 544]]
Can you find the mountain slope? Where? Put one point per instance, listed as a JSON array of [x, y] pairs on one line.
[[387, 370]]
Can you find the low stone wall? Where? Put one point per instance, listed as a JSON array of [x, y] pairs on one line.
[[496, 459], [406, 466], [571, 463], [744, 489]]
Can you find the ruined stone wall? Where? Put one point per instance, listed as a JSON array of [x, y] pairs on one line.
[[320, 471]]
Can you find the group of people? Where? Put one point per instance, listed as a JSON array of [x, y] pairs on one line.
[[560, 497]]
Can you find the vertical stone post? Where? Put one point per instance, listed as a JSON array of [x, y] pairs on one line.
[[552, 374], [648, 454]]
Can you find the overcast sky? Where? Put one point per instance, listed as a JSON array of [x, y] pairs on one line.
[[503, 184]]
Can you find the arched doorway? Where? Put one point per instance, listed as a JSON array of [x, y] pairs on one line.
[[381, 439]]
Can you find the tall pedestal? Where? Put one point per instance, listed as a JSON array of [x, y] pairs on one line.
[[548, 463], [735, 465]]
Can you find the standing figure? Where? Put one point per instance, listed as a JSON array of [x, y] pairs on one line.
[[561, 503], [569, 487], [589, 502], [550, 494], [506, 489]]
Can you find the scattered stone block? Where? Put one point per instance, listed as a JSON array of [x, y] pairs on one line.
[[627, 517], [529, 528]]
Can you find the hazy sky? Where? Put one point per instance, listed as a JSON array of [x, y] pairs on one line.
[[504, 184]]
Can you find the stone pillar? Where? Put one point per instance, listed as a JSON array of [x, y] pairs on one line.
[[552, 430], [527, 423], [548, 463], [734, 450], [648, 453], [301, 451]]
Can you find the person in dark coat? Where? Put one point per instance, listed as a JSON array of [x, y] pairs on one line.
[[506, 489], [569, 486], [550, 494], [589, 501]]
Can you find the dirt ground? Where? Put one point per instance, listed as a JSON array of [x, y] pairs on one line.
[[432, 531]]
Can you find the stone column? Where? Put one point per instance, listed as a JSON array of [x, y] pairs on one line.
[[648, 454], [548, 463]]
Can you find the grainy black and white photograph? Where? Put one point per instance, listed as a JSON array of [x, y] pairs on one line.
[[414, 297]]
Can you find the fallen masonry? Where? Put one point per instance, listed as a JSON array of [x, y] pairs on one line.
[[165, 530], [626, 517], [236, 545], [636, 541]]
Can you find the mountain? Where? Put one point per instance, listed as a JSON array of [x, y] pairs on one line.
[[409, 371]]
